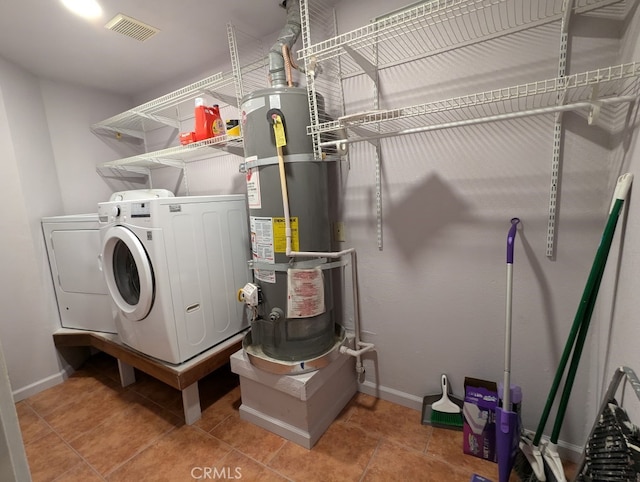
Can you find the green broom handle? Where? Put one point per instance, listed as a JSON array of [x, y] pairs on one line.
[[584, 327], [573, 368], [591, 287]]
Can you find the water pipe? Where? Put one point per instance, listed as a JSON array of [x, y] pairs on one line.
[[593, 107], [287, 37], [360, 346]]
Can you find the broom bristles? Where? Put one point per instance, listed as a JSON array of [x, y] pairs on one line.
[[446, 420]]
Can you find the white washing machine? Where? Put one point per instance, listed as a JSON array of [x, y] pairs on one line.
[[173, 267], [73, 246]]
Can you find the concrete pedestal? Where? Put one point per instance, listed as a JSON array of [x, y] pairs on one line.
[[297, 407]]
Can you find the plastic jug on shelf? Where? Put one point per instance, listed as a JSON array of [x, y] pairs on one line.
[[208, 122]]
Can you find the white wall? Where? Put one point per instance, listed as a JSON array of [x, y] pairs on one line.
[[31, 188], [70, 111], [31, 184]]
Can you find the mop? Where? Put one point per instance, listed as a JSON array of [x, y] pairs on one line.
[[544, 462], [507, 421]]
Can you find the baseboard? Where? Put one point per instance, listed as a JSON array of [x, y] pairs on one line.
[[391, 395], [285, 430], [40, 385], [566, 450]]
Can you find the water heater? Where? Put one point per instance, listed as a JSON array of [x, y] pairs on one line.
[[294, 319]]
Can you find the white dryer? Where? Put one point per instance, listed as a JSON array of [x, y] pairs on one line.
[[173, 267], [73, 247]]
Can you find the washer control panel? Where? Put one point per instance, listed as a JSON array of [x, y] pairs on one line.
[[112, 212], [140, 210]]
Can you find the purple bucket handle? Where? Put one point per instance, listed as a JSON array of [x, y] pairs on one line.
[[511, 238]]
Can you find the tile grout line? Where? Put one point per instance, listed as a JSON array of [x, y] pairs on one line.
[[262, 464], [50, 411], [216, 426], [179, 416], [375, 451], [145, 447], [273, 456], [284, 442], [70, 447], [426, 447], [83, 462], [40, 418], [124, 410], [265, 464], [153, 441]]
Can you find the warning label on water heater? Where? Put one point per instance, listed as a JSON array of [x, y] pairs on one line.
[[262, 247], [268, 237], [305, 293], [280, 235], [253, 185]]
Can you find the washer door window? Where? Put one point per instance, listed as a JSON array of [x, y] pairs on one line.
[[128, 273]]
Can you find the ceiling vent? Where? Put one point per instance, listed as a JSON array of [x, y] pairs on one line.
[[131, 27]]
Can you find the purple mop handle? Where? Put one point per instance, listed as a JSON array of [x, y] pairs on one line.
[[511, 238]]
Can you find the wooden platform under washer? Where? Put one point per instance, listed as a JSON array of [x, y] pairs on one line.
[[183, 377]]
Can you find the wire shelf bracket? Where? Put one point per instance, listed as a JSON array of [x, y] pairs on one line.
[[235, 63], [556, 158]]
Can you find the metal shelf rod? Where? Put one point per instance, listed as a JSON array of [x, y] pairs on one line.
[[492, 118], [584, 79]]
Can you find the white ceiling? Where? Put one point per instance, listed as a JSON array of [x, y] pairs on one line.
[[46, 39]]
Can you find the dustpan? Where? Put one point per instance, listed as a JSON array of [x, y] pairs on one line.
[[428, 400]]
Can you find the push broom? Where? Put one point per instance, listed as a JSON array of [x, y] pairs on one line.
[[544, 462]]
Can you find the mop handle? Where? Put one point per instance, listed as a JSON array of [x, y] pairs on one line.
[[506, 388], [511, 239]]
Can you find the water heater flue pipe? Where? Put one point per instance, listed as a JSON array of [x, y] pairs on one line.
[[360, 346], [288, 36]]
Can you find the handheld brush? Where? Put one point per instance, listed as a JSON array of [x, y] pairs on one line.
[[445, 413]]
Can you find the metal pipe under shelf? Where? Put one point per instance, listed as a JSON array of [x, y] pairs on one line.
[[481, 120]]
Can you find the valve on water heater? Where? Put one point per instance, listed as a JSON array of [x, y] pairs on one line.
[[276, 314], [250, 295]]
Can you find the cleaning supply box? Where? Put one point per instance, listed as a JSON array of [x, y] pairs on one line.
[[479, 419]]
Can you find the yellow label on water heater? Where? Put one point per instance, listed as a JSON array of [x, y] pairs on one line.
[[280, 236], [278, 129]]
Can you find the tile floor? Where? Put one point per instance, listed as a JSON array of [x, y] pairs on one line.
[[90, 429]]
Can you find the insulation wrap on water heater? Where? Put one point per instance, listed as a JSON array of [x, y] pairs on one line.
[[287, 329]]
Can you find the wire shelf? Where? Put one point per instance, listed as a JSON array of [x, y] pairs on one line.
[[324, 84], [248, 71], [178, 156], [436, 26], [429, 28], [163, 111], [250, 62], [526, 99]]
